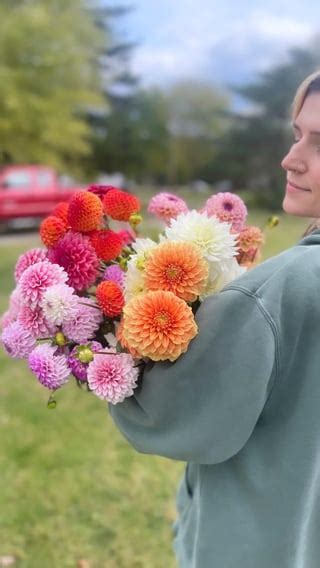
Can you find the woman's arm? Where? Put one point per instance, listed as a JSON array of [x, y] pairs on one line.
[[204, 406]]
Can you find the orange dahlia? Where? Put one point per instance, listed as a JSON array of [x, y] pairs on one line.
[[250, 241], [85, 212], [124, 344], [249, 258], [52, 229], [177, 267], [158, 325], [110, 298], [120, 205], [107, 244], [249, 237], [61, 211]]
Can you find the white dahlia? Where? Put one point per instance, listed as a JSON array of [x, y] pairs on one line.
[[212, 236], [220, 276], [59, 304]]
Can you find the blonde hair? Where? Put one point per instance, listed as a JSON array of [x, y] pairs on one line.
[[311, 84]]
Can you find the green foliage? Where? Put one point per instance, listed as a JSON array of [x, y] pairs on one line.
[[197, 118], [135, 137], [162, 136], [251, 153], [48, 79]]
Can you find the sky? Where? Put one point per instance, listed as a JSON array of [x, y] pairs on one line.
[[224, 42]]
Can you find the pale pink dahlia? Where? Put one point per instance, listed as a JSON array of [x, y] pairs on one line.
[[27, 259], [167, 206], [6, 319], [112, 376], [227, 207], [77, 256], [51, 369], [59, 304], [85, 322], [37, 278], [17, 340], [34, 320], [115, 274], [78, 369], [15, 304]]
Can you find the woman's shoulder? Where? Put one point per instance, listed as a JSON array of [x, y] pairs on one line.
[[291, 272]]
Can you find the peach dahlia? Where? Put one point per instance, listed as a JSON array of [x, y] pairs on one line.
[[158, 325], [178, 267]]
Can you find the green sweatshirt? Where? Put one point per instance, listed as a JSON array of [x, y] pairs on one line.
[[242, 407]]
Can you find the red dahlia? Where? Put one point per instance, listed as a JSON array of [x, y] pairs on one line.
[[110, 298], [52, 229], [61, 211], [106, 243], [120, 205], [85, 212]]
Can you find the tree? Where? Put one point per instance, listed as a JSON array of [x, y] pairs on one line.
[[197, 119], [49, 77], [252, 150], [135, 138]]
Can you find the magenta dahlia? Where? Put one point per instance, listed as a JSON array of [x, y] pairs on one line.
[[77, 256]]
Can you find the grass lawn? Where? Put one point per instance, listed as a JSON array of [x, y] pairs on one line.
[[71, 487]]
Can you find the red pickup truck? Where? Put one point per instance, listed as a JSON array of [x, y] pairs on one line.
[[29, 193]]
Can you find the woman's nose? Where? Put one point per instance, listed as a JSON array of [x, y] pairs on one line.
[[292, 162]]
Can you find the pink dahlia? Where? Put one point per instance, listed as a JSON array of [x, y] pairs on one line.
[[51, 369], [17, 340], [27, 259], [78, 369], [115, 274], [6, 319], [59, 303], [37, 278], [112, 376], [227, 207], [15, 304], [127, 237], [167, 206], [77, 256], [86, 321], [34, 320]]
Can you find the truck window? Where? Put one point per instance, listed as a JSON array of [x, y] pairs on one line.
[[15, 180], [44, 179]]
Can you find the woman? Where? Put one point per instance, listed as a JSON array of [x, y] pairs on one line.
[[242, 406]]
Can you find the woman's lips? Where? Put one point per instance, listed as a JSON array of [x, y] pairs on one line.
[[293, 188]]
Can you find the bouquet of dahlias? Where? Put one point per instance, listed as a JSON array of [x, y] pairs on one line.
[[96, 303]]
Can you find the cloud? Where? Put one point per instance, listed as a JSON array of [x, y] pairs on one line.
[[211, 44]]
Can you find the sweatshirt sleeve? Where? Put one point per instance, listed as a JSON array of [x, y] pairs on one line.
[[204, 406]]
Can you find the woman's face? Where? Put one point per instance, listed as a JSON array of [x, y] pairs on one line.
[[302, 163]]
